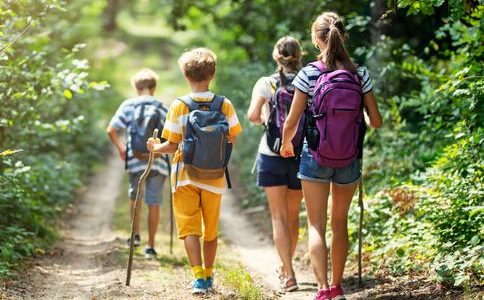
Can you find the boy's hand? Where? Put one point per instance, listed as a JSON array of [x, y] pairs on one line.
[[122, 152], [287, 149], [151, 143]]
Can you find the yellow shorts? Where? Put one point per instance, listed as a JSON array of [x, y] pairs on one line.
[[191, 205]]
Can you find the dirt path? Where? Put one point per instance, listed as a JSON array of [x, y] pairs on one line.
[[86, 263], [256, 250], [89, 261]]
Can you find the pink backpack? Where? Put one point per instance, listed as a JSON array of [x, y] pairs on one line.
[[334, 117]]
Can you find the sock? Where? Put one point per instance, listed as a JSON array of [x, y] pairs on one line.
[[208, 272], [198, 272]]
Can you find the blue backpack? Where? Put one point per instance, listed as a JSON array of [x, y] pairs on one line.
[[206, 148], [148, 116]]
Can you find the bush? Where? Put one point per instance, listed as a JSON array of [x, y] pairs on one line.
[[49, 113]]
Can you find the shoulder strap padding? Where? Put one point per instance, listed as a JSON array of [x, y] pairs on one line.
[[217, 103], [192, 104], [319, 65]]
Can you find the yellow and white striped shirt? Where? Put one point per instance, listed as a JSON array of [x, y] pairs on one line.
[[174, 131]]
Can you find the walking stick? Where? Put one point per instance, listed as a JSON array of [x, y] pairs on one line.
[[167, 158], [360, 203], [141, 182], [360, 225]]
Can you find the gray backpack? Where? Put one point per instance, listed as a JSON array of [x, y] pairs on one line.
[[206, 148]]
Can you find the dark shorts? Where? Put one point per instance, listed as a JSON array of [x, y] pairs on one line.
[[310, 170], [277, 171]]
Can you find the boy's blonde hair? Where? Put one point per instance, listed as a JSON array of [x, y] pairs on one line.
[[144, 79], [198, 64]]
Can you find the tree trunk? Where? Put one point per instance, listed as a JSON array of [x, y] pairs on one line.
[[110, 13]]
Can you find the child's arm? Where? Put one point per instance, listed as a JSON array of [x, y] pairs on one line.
[[260, 95], [113, 135], [254, 113], [298, 106], [155, 146], [372, 114]]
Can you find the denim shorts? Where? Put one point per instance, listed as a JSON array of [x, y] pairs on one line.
[[310, 170], [277, 171], [153, 188]]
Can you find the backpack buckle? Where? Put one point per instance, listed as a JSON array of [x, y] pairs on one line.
[[321, 115]]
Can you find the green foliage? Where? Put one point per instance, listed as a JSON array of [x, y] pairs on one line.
[[48, 112], [425, 58], [458, 191], [457, 7]]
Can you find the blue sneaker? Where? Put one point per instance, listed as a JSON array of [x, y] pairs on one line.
[[209, 283], [199, 286]]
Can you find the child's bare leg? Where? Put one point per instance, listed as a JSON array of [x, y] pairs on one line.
[[138, 215], [316, 197], [340, 203], [276, 196], [153, 220], [210, 211], [192, 246], [293, 206], [209, 252]]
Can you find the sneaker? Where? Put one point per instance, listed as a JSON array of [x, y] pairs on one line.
[[323, 294], [199, 286], [137, 240], [337, 293], [150, 252], [209, 283]]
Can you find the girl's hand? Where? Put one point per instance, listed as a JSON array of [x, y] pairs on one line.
[[287, 150], [151, 144]]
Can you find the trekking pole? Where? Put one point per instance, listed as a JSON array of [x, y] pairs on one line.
[[141, 182], [167, 158], [360, 225]]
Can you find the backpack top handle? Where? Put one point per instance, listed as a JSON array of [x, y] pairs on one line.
[[215, 104]]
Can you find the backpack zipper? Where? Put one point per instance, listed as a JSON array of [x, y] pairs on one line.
[[334, 81], [342, 109]]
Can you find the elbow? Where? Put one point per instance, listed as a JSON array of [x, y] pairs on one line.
[[377, 123], [109, 130]]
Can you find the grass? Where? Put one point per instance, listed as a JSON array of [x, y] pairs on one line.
[[234, 275]]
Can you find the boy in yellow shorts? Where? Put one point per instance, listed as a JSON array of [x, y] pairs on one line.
[[200, 128]]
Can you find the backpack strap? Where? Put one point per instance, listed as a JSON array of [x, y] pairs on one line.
[[192, 104], [227, 177], [320, 66], [217, 102]]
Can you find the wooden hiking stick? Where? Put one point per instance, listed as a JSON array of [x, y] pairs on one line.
[[360, 224], [141, 182], [167, 158]]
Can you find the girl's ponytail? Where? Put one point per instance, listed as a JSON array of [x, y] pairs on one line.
[[287, 53], [329, 29]]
